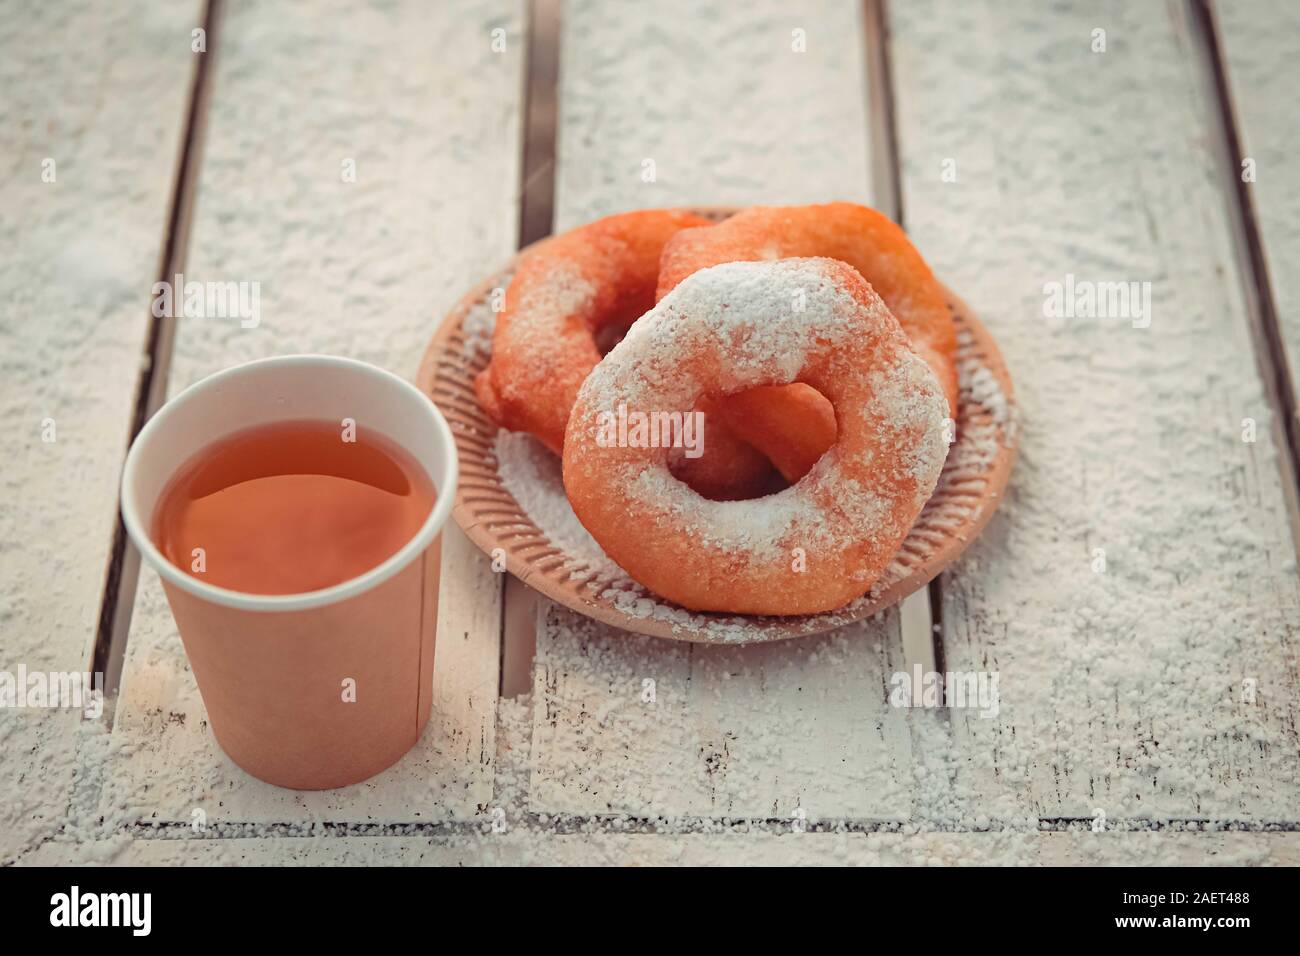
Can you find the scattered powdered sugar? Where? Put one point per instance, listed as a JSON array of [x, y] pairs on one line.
[[477, 326], [531, 473], [982, 387], [479, 323], [554, 801]]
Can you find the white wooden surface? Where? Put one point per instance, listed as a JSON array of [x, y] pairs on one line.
[[415, 95], [519, 848], [99, 89], [665, 83], [1261, 41], [1120, 692]]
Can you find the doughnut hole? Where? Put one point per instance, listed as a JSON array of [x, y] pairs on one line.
[[758, 441], [730, 469], [611, 334], [792, 425]]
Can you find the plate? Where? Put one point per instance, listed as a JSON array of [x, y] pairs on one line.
[[549, 551]]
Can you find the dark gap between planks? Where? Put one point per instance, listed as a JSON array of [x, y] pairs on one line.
[[536, 220], [1257, 285], [687, 826], [887, 188], [123, 573], [541, 78]]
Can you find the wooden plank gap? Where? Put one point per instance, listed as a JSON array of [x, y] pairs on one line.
[[920, 613], [1257, 284], [885, 178], [536, 220], [123, 572], [934, 591], [541, 78]]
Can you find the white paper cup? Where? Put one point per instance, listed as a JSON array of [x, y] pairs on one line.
[[273, 669]]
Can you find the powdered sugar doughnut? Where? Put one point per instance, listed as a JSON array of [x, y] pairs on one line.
[[794, 435], [565, 292], [815, 545]]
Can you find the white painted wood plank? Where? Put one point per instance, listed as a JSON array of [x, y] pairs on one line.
[[1124, 691], [715, 95], [532, 848], [100, 90], [466, 676], [1261, 42], [414, 94], [720, 104], [797, 730]]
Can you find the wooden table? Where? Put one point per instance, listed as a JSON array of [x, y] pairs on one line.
[[1137, 594]]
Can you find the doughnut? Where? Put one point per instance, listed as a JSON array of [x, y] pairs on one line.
[[794, 432], [566, 293], [820, 542]]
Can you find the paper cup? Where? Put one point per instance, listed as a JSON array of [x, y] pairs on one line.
[[272, 669]]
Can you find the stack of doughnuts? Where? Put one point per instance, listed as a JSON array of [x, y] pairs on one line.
[[811, 344]]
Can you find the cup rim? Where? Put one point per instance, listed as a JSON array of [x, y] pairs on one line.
[[304, 600]]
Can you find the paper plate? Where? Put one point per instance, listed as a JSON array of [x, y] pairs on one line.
[[969, 490]]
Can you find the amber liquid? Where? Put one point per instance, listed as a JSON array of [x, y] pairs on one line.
[[291, 507]]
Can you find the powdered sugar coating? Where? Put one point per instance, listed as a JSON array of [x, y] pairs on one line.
[[565, 295], [531, 473], [736, 326], [480, 322], [541, 306], [856, 235], [731, 307]]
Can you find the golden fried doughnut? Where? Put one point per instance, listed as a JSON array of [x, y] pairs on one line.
[[564, 293], [815, 545], [794, 431]]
